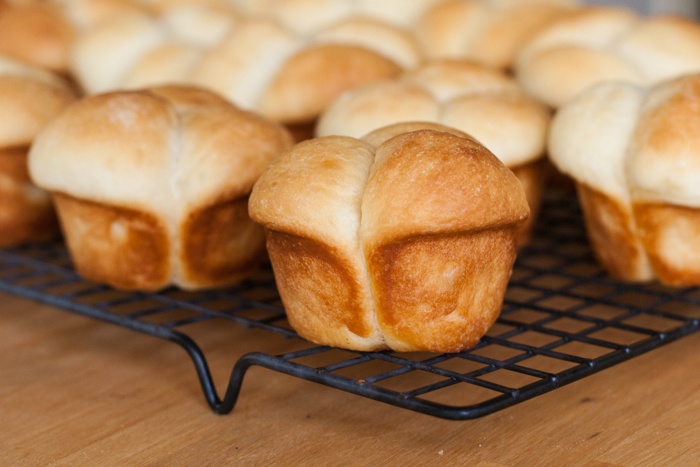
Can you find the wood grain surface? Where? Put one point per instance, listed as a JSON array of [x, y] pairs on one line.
[[76, 392]]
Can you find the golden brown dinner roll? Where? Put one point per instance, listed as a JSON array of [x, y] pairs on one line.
[[29, 99], [473, 98], [37, 34], [635, 156], [87, 14], [313, 15], [152, 186], [286, 63], [139, 49], [404, 243], [267, 69], [486, 31], [598, 44]]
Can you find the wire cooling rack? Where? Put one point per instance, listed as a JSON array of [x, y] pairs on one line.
[[562, 320]]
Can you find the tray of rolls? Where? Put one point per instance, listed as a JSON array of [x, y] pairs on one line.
[[366, 179], [563, 319]]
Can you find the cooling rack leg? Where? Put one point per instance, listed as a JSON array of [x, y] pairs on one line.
[[239, 370], [235, 382], [203, 373]]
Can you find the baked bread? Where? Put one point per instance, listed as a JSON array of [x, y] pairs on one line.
[[126, 51], [37, 34], [480, 101], [88, 14], [404, 243], [314, 15], [598, 44], [634, 155], [486, 31], [29, 99], [152, 186], [270, 64]]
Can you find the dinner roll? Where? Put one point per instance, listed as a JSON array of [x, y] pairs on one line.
[[598, 44], [37, 34], [634, 154], [29, 98], [152, 186], [470, 97], [286, 62], [486, 31], [401, 240], [314, 15]]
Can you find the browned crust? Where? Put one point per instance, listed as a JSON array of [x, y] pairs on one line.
[[36, 34], [381, 135], [614, 236], [439, 220], [533, 176], [26, 213], [441, 293], [122, 247], [313, 78], [501, 42], [433, 182], [671, 236], [220, 244], [320, 291], [28, 104]]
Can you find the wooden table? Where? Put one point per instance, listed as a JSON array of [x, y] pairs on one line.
[[78, 392]]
